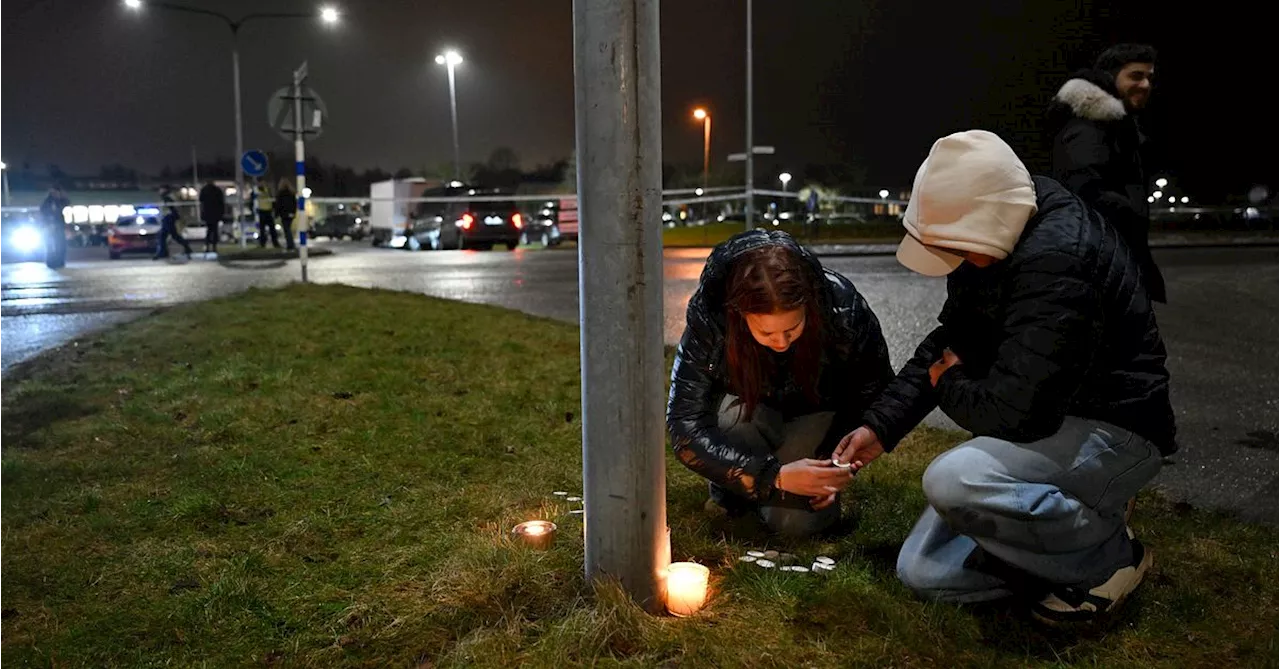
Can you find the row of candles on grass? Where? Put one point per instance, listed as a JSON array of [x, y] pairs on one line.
[[687, 582]]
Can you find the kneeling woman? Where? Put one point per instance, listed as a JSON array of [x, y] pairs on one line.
[[778, 361]]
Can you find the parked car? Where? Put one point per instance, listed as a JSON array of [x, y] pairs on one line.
[[134, 234], [338, 226], [480, 223], [556, 222]]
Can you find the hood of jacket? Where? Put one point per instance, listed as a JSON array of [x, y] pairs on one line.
[[1088, 95]]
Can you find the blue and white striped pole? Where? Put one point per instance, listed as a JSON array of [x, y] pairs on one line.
[[299, 158]]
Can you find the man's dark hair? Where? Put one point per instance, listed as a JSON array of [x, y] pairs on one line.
[[1115, 58]]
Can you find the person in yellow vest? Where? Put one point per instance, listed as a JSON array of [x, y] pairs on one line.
[[263, 202]]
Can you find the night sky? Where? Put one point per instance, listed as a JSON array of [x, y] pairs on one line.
[[866, 84]]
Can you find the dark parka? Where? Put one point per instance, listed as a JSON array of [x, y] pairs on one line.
[[1098, 155]]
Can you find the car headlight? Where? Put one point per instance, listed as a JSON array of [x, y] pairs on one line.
[[27, 238]]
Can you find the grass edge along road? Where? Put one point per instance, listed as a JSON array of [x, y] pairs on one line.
[[325, 476]]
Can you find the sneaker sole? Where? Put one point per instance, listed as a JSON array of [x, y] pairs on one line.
[[1086, 618]]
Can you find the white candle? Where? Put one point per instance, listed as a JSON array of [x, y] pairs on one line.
[[686, 588], [536, 534]]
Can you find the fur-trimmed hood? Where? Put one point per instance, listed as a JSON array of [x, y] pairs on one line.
[[1088, 95]]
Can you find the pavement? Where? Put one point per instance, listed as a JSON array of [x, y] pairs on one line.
[[1220, 325]]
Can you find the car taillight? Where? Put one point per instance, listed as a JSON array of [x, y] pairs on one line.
[[518, 221], [467, 220]]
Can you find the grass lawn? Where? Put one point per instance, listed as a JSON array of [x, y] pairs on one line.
[[324, 476]]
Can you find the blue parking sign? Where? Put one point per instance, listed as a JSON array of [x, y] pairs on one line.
[[254, 163]]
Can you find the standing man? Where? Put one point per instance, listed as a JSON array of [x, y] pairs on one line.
[[213, 206], [1049, 354], [286, 209], [55, 224], [1099, 145], [266, 221]]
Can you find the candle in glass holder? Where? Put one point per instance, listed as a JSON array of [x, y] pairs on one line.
[[536, 534], [686, 588]]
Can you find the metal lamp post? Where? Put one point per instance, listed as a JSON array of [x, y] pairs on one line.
[[451, 59], [705, 116]]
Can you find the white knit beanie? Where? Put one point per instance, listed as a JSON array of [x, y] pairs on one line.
[[971, 194]]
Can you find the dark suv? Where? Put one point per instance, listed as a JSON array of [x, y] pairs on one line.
[[480, 220]]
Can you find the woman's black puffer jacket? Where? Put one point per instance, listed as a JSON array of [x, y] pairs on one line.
[[855, 370]]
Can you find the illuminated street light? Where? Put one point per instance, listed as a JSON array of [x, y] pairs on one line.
[[1157, 195], [1185, 199], [1161, 183], [329, 14], [451, 59], [703, 115], [884, 194], [785, 178]]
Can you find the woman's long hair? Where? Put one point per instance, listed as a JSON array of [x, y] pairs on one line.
[[768, 280]]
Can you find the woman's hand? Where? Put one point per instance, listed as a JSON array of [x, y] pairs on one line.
[[859, 448], [813, 478], [949, 360]]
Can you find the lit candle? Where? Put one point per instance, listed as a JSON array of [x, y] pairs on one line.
[[537, 534], [686, 588]]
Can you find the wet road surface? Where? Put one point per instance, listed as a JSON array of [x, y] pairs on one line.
[[1220, 326]]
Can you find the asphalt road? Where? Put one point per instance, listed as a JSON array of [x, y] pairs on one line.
[[1220, 327]]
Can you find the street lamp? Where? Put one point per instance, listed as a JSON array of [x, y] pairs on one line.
[[703, 115], [785, 178], [1185, 199], [452, 59], [1161, 183], [884, 194], [328, 15]]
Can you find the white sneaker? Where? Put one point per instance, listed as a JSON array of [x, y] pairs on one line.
[[1074, 605]]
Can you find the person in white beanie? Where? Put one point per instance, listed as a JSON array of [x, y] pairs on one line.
[[1048, 352]]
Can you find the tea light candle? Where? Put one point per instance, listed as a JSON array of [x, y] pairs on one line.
[[686, 588], [536, 534]]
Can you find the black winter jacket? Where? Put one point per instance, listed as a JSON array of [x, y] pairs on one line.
[[1061, 327], [855, 370], [1098, 155]]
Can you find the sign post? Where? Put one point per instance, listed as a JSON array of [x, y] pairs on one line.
[[619, 151], [252, 164], [300, 166], [296, 112]]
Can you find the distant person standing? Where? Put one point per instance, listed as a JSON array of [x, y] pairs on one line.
[[55, 223], [266, 222], [213, 206], [286, 209], [1099, 146], [169, 227]]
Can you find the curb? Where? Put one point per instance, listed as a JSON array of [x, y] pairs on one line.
[[281, 255]]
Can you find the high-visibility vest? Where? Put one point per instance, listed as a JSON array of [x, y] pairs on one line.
[[264, 200]]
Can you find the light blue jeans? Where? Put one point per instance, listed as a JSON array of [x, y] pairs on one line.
[[768, 434], [1051, 509]]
